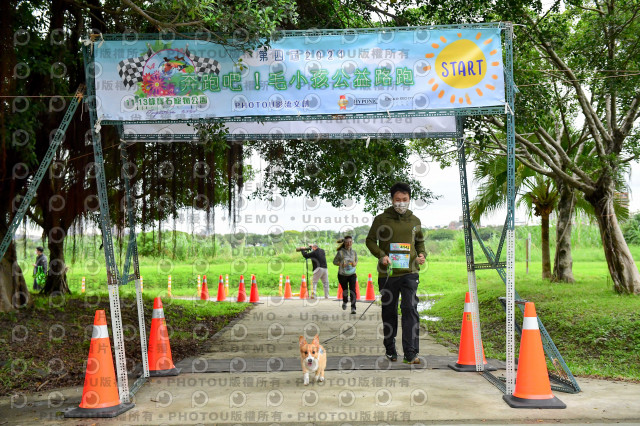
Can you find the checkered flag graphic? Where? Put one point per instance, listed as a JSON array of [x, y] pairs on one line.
[[203, 65], [131, 70]]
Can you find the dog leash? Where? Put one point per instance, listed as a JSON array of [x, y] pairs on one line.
[[365, 311]]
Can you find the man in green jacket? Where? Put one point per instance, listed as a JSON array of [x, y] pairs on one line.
[[396, 239]]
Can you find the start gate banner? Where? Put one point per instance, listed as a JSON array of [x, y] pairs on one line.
[[307, 73]]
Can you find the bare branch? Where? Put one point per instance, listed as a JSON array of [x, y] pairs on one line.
[[595, 125], [565, 125], [528, 161], [534, 166], [370, 6], [590, 9], [584, 137], [34, 218], [622, 27], [157, 23], [531, 162], [626, 160], [484, 151], [160, 25], [548, 11], [565, 160], [543, 136], [579, 142], [630, 116], [560, 174], [580, 149], [188, 24]]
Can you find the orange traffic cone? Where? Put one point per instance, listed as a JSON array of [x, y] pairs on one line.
[[242, 293], [339, 297], [466, 352], [357, 289], [254, 297], [221, 296], [371, 294], [100, 393], [303, 289], [205, 290], [287, 289], [159, 355], [533, 389]]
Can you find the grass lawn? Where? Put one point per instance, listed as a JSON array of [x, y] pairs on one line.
[[596, 331], [46, 346], [155, 273], [435, 277]]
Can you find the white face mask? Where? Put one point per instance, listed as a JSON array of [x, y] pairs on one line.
[[401, 207]]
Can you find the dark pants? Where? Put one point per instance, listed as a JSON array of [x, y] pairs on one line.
[[348, 284], [405, 285]]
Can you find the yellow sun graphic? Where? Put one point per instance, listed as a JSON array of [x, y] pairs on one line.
[[463, 66]]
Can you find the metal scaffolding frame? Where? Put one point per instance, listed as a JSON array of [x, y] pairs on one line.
[[564, 380], [42, 169]]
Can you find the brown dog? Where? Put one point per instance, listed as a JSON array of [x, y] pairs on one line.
[[313, 358]]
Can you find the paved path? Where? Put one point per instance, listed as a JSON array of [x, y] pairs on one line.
[[260, 385]]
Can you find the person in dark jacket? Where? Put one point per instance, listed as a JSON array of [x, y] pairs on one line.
[[346, 259], [41, 261], [320, 270], [396, 239]]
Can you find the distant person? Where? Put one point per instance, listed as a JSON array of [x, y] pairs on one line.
[[396, 239], [320, 270], [39, 269], [346, 259]]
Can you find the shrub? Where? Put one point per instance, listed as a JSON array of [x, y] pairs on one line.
[[440, 234]]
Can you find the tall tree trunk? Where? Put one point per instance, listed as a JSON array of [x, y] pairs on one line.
[[13, 289], [14, 293], [57, 276], [546, 257], [622, 268], [563, 262]]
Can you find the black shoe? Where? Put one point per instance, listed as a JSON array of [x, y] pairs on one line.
[[344, 306], [353, 310], [392, 357], [411, 359]]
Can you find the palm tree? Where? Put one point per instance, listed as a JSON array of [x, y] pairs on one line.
[[540, 197]]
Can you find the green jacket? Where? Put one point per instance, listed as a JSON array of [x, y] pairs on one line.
[[399, 237]]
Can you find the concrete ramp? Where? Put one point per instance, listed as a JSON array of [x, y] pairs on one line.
[[334, 363], [252, 375]]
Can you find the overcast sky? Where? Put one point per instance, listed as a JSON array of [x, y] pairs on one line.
[[298, 213]]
